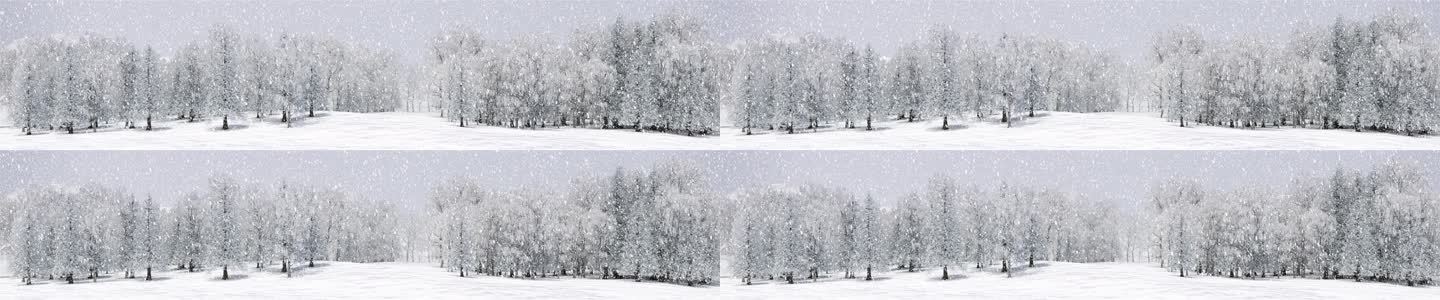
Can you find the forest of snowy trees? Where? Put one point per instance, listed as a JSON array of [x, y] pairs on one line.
[[1381, 75], [61, 233], [61, 83], [666, 224], [662, 224], [664, 74], [787, 234], [661, 75], [814, 81], [668, 74], [1383, 225]]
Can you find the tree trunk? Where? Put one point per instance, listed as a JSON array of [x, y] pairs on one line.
[[147, 273]]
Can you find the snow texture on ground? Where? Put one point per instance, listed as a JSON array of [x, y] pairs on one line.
[[426, 131], [425, 281]]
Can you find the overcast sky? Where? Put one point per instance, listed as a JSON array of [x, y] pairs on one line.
[[406, 177], [1125, 27]]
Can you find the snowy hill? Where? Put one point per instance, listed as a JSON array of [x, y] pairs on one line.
[[426, 131], [423, 281]]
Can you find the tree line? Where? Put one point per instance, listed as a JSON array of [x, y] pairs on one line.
[[1376, 75], [786, 233], [661, 225], [661, 75], [813, 81], [667, 74], [69, 83], [61, 233], [665, 224], [1382, 225]]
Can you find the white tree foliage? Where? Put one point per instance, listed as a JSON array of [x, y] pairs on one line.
[[1374, 75], [80, 233], [1363, 226]]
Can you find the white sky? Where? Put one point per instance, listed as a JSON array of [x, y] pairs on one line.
[[1125, 27]]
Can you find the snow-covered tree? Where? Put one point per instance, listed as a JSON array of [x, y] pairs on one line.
[[947, 238], [226, 236], [190, 237], [151, 239], [870, 241], [910, 233]]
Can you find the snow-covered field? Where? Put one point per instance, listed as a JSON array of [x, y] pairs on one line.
[[424, 281], [424, 131]]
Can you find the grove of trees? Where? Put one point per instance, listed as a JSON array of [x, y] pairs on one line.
[[661, 75], [61, 83], [61, 233], [668, 74], [660, 225], [1380, 75], [1383, 226], [802, 233], [814, 80], [666, 224]]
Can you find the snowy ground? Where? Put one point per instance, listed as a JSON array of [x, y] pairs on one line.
[[424, 131], [423, 281]]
